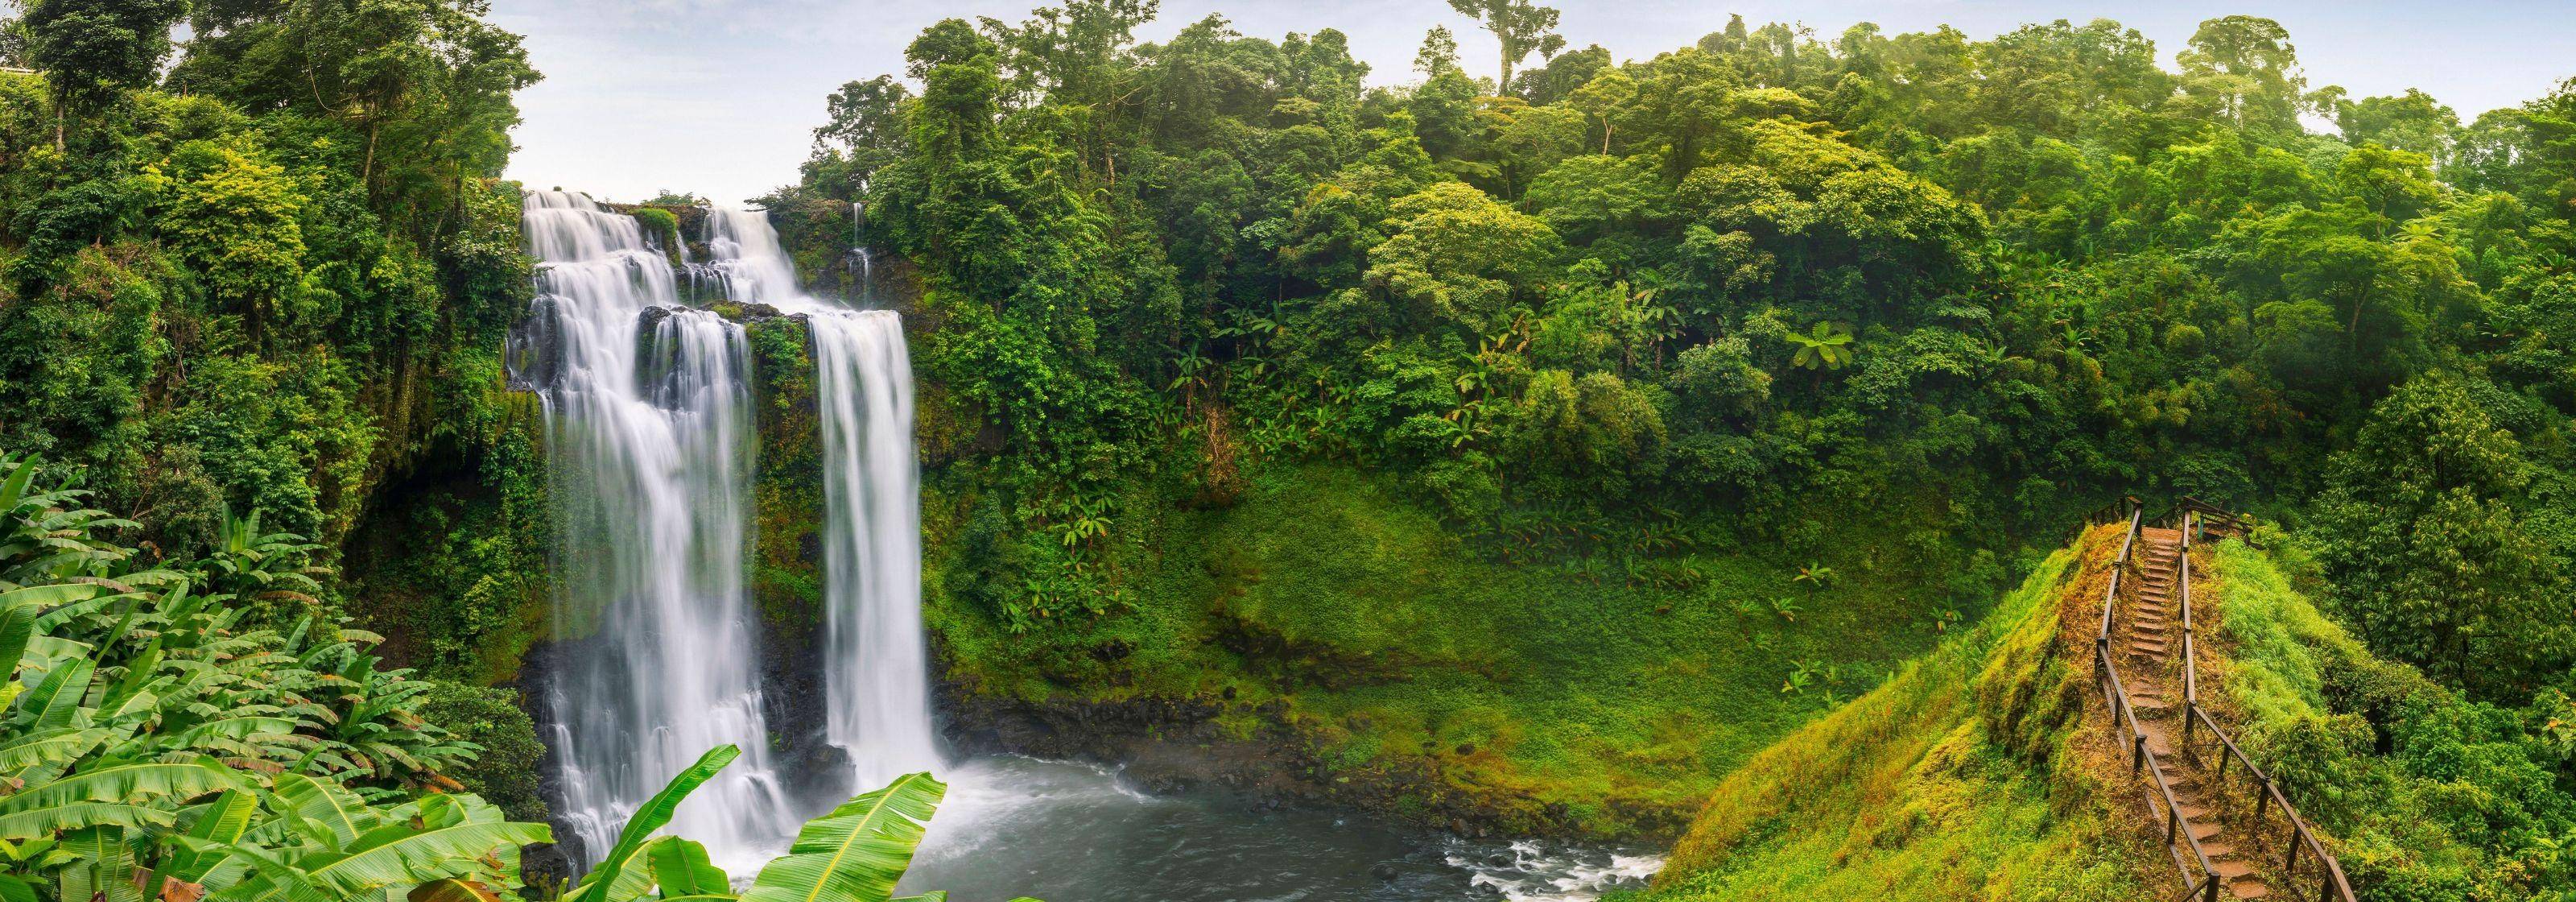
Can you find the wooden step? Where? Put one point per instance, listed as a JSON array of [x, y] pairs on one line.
[[2254, 890]]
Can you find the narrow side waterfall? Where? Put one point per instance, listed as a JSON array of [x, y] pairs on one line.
[[649, 412], [876, 666], [876, 663]]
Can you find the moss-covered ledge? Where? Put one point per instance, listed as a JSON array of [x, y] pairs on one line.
[[787, 488]]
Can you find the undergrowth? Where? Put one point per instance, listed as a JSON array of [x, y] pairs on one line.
[[1562, 691]]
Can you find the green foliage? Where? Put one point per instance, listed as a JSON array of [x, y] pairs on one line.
[[272, 287], [2431, 556], [505, 764], [2424, 793], [161, 741], [1827, 349]]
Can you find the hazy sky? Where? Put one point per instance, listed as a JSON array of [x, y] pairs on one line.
[[719, 97]]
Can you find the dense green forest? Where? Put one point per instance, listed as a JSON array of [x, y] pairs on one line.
[[1529, 455], [1743, 293]]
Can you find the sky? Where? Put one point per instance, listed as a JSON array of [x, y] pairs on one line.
[[719, 98]]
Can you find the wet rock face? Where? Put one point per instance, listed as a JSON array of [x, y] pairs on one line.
[[551, 861], [534, 349]]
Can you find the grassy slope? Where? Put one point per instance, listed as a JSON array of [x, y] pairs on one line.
[[1528, 687], [1953, 780], [2421, 794]]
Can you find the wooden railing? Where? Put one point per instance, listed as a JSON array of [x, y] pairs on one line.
[[2328, 873], [2205, 883]]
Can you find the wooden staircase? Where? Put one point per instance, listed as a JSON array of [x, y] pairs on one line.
[[2150, 643]]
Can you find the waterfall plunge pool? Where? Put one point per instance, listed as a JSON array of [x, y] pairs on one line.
[[1068, 832]]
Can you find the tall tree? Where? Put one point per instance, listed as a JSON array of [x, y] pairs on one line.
[[425, 86], [93, 50], [2246, 67], [1520, 26]]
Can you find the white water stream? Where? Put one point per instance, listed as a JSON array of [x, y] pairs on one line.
[[651, 460], [876, 664]]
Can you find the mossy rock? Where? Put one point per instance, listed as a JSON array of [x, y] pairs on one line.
[[788, 500]]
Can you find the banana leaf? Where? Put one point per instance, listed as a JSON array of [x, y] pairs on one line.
[[639, 829], [857, 852]]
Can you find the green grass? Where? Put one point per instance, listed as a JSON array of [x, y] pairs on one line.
[[1954, 780], [2281, 644], [1394, 646]]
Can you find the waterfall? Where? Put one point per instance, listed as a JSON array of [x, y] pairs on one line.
[[863, 260], [649, 414], [876, 668], [876, 665]]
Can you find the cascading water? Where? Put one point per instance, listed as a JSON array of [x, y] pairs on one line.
[[648, 407], [874, 657]]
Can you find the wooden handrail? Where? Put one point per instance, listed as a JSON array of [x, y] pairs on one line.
[[2335, 887], [2143, 757], [2119, 565], [2205, 886]]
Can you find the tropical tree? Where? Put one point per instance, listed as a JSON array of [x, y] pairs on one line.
[[93, 51], [1519, 26], [2429, 553]]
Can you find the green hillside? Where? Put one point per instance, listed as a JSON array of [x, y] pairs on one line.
[[1964, 776], [1984, 770]]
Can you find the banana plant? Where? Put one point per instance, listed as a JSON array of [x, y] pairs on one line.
[[856, 853], [100, 798]]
